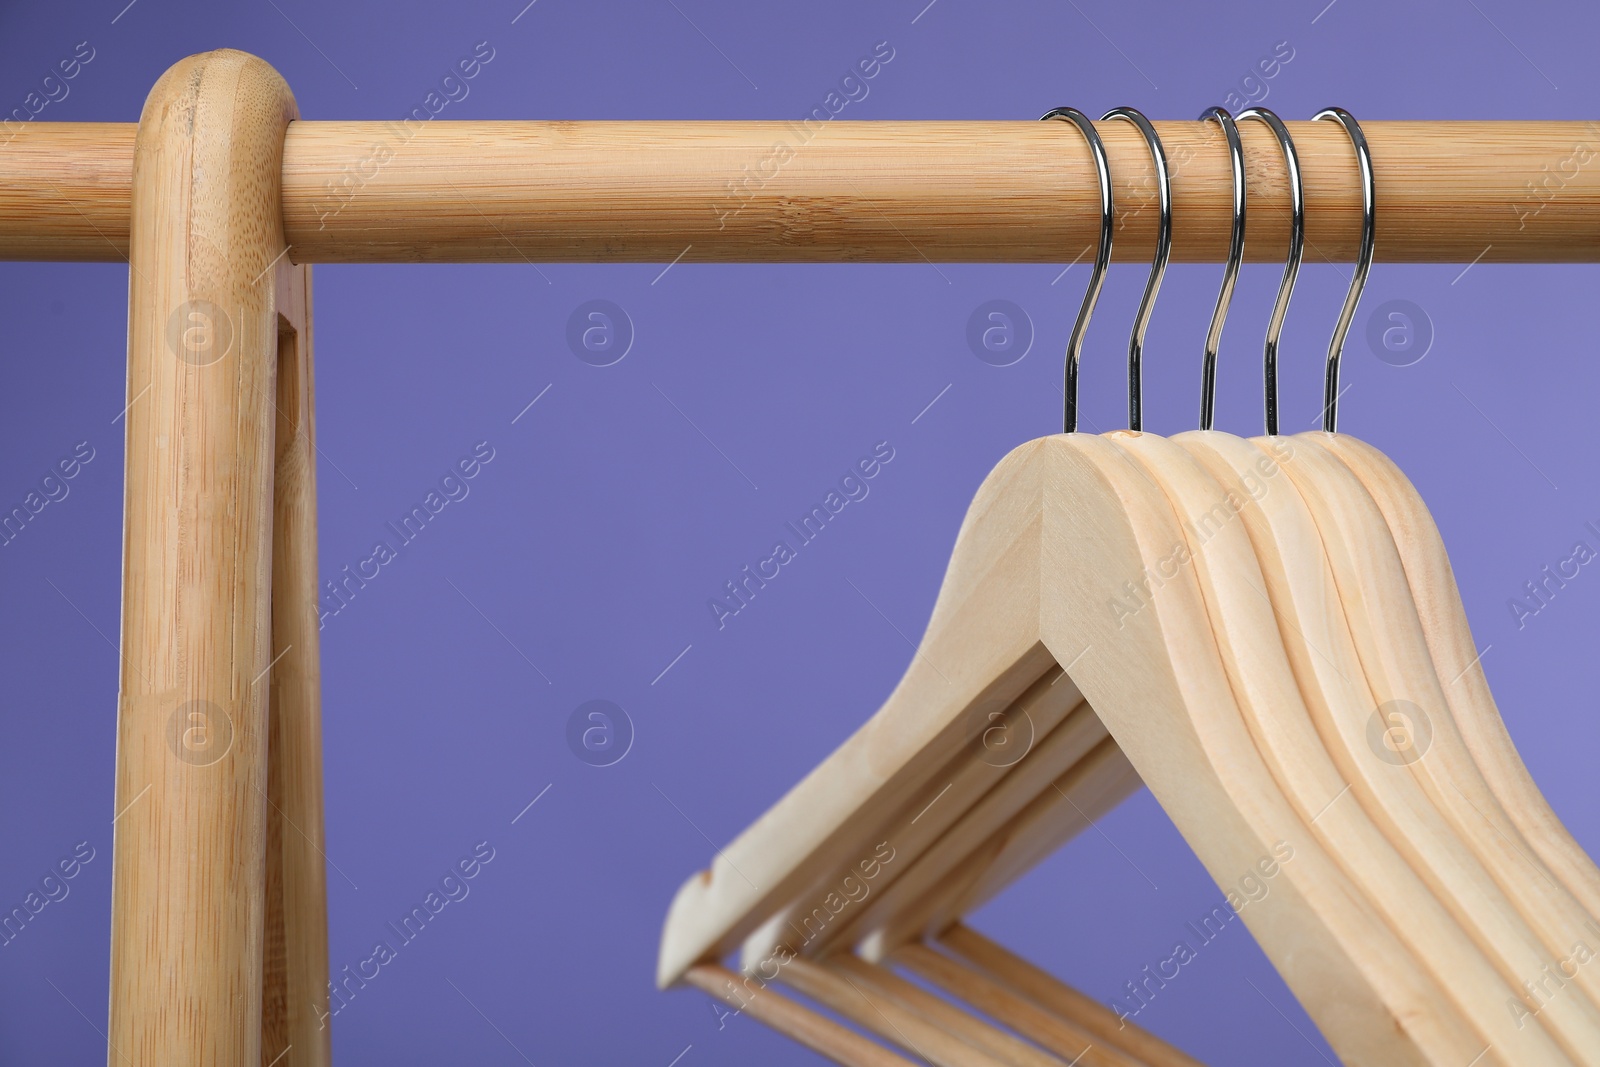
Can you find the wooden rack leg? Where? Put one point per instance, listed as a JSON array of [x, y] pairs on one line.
[[294, 1012], [189, 867]]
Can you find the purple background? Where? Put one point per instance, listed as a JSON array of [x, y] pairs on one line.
[[608, 516]]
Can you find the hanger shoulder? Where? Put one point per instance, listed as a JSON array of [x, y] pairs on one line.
[[1045, 582], [1003, 741], [1317, 741], [1081, 797], [1290, 767], [995, 844], [1449, 639], [1441, 810], [981, 650], [975, 823]]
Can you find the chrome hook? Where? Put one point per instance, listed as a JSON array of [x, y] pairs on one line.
[[1230, 274], [1291, 267], [1102, 258], [1158, 265], [1369, 209]]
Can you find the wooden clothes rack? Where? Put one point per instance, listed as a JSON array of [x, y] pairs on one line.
[[220, 198]]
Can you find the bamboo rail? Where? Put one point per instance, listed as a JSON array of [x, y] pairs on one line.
[[510, 192]]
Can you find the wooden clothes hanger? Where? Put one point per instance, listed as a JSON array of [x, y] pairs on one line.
[[1157, 682], [1476, 785], [1522, 914], [1466, 689], [1394, 923], [1403, 905], [1286, 542], [1388, 623], [1225, 561], [1299, 589]]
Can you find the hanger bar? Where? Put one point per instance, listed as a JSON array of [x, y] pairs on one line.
[[1063, 1035], [885, 1016], [791, 1018], [950, 1015], [657, 192], [1006, 970]]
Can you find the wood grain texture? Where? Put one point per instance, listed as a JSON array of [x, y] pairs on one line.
[[1007, 969], [513, 192], [928, 716], [952, 1018], [965, 850], [1060, 1036], [295, 1012], [1299, 587], [817, 1032], [1438, 804], [1090, 789], [1052, 537], [1460, 666], [886, 1016], [979, 771], [189, 862]]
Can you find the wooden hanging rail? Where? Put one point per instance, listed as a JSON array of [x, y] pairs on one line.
[[511, 192], [219, 944]]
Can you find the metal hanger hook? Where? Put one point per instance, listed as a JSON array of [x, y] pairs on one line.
[[1369, 210], [1158, 265], [1230, 273], [1291, 266], [1102, 258]]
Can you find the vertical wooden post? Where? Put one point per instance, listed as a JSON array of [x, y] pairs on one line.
[[295, 1022], [189, 868]]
